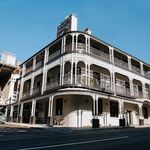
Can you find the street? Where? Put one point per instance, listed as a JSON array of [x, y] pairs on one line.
[[66, 139]]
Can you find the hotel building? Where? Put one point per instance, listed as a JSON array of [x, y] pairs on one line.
[[79, 78]]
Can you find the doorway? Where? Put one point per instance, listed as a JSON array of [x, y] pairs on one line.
[[129, 118]]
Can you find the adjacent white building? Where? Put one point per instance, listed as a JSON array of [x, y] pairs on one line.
[[79, 77], [9, 75]]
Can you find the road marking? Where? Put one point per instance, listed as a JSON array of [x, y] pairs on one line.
[[76, 143]]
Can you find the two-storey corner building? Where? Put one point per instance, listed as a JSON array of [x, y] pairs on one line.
[[79, 77]]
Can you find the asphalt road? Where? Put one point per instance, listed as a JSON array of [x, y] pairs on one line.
[[67, 139]]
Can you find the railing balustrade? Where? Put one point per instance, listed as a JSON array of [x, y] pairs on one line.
[[28, 70], [103, 85], [51, 56], [52, 84], [26, 94], [123, 90], [81, 80], [39, 64], [36, 90], [147, 74], [147, 95], [68, 48], [137, 93], [120, 62], [81, 48], [99, 54], [67, 79], [136, 69]]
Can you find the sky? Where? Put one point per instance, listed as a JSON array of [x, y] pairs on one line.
[[26, 26]]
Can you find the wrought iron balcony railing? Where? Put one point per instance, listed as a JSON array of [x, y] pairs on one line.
[[99, 54], [123, 90], [121, 63], [28, 70]]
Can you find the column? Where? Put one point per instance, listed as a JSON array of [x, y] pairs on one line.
[[110, 54], [32, 118], [89, 74], [6, 111], [50, 112], [72, 42], [141, 118], [21, 82], [111, 81], [121, 109], [76, 42], [21, 114], [95, 121], [96, 106], [94, 110], [86, 49], [142, 69], [71, 70], [88, 45], [44, 73], [34, 62], [76, 72], [113, 72], [114, 83], [129, 63], [32, 84], [76, 59], [131, 87], [73, 48], [62, 72], [143, 90], [86, 74], [11, 113], [64, 44]]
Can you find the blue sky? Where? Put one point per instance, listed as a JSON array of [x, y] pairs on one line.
[[26, 26]]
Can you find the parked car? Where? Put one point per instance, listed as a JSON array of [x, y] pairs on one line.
[[2, 117]]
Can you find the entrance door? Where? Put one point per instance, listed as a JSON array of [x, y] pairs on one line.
[[129, 117]]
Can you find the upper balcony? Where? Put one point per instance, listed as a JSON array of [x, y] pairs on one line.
[[136, 66], [99, 79], [146, 70], [39, 60], [26, 89], [122, 85], [120, 59], [29, 66], [54, 50], [138, 91]]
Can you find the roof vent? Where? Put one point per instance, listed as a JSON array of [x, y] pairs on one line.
[[88, 31]]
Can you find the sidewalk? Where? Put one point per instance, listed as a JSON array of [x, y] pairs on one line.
[[44, 127], [20, 125]]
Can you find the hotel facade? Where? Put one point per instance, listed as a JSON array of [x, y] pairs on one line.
[[79, 78]]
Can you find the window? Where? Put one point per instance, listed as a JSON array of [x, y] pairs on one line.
[[113, 109], [145, 112], [100, 106], [59, 107]]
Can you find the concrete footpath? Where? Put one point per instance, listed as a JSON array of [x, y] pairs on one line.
[[59, 128]]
